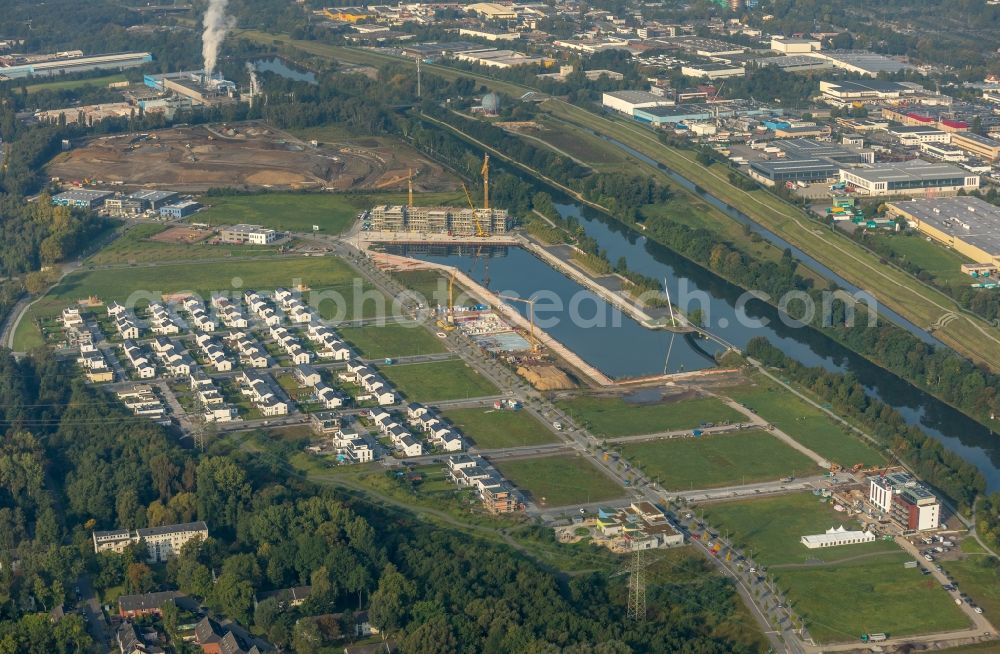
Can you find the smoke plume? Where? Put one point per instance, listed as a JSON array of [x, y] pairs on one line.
[[216, 23]]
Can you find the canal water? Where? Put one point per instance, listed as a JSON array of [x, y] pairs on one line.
[[630, 350]]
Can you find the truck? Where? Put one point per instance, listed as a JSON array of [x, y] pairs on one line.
[[558, 426], [874, 638]]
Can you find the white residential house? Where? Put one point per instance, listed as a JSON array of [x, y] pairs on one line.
[[307, 376], [115, 310]]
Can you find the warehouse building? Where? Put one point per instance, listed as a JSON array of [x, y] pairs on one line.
[[805, 148], [793, 63], [788, 45], [81, 198], [845, 92], [913, 178], [981, 146], [180, 209], [863, 63], [502, 59], [628, 101], [712, 70], [913, 135], [75, 64], [779, 171], [686, 113], [154, 199], [966, 224]]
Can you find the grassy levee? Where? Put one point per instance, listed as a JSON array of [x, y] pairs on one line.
[[891, 286]]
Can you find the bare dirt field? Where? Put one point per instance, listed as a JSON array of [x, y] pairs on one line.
[[195, 159], [181, 235]]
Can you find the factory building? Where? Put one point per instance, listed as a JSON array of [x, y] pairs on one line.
[[154, 199], [70, 62], [461, 222], [966, 224], [194, 86], [790, 46], [712, 70], [628, 101], [981, 146], [81, 198], [87, 114], [912, 178]]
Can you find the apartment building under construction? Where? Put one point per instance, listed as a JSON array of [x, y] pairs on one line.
[[442, 220], [483, 221]]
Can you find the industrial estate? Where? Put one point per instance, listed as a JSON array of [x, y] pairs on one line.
[[394, 328]]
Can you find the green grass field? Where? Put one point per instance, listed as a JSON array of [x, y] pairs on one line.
[[489, 428], [64, 85], [978, 579], [841, 592], [438, 380], [841, 602], [805, 423], [940, 261], [772, 527], [560, 480], [134, 247], [611, 417], [391, 340], [298, 212], [711, 461], [321, 274]]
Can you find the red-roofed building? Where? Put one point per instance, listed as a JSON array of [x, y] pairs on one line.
[[953, 125]]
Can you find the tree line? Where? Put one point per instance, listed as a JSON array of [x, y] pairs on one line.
[[948, 472]]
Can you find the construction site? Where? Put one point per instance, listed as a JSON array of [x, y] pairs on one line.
[[247, 156]]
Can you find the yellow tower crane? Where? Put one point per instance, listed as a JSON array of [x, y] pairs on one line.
[[480, 232], [448, 322], [531, 317], [409, 198], [486, 181]]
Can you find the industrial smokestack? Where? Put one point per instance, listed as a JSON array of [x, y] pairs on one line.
[[216, 23]]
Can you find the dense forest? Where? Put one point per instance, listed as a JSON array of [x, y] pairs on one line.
[[71, 461]]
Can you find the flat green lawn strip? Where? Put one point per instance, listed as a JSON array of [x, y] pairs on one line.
[[560, 480], [493, 429], [940, 261], [710, 461], [805, 423], [63, 85], [392, 340], [438, 380], [612, 417], [773, 527], [296, 212], [134, 247], [876, 595]]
